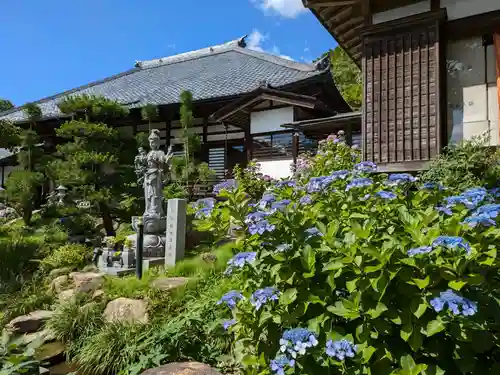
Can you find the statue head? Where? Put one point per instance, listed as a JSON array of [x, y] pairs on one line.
[[154, 139]]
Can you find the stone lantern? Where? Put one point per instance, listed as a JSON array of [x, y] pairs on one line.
[[61, 193]]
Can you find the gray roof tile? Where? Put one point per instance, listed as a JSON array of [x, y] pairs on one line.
[[214, 72]]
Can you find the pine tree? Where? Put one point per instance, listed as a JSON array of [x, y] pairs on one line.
[[5, 105], [90, 161]]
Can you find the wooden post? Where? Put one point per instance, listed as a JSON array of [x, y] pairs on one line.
[[140, 249], [496, 42], [295, 147]]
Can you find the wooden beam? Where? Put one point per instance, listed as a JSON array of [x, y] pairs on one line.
[[435, 5], [331, 3], [496, 43]]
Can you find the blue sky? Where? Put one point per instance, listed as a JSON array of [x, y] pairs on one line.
[[54, 45]]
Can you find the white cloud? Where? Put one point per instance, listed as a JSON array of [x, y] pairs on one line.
[[285, 8], [255, 42]]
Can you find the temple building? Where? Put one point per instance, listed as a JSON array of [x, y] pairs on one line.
[[241, 99]]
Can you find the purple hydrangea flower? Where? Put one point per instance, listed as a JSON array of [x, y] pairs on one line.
[[389, 195], [365, 167], [203, 212], [255, 217], [240, 260], [445, 210], [457, 304], [281, 363], [399, 179], [205, 202], [495, 192], [341, 349], [483, 219], [359, 183], [318, 184], [228, 185], [228, 323], [262, 296], [306, 199], [231, 299], [452, 242], [420, 250], [297, 341], [280, 206]]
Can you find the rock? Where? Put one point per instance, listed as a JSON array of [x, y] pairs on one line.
[[43, 336], [126, 310], [98, 294], [57, 285], [44, 371], [169, 283], [182, 368], [51, 353], [87, 281], [209, 257], [59, 272], [67, 295], [29, 323], [63, 368]]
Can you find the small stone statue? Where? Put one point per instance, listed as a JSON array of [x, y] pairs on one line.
[[153, 166], [140, 163]]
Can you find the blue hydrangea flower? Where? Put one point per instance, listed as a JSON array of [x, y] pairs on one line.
[[459, 199], [240, 260], [205, 202], [389, 195], [340, 349], [483, 219], [342, 174], [432, 186], [476, 195], [231, 299], [282, 184], [228, 185], [420, 250], [490, 209], [261, 227], [281, 363], [318, 184], [297, 341], [255, 217], [312, 232], [399, 179], [495, 192], [266, 200], [280, 206], [365, 166], [452, 242], [262, 296], [457, 304], [306, 199], [228, 323], [445, 210], [359, 183], [283, 248], [203, 212]]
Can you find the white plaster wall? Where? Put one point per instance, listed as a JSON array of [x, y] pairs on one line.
[[271, 120], [401, 12], [472, 96], [277, 168], [464, 8]]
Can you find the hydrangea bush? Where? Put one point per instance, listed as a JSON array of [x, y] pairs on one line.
[[346, 271]]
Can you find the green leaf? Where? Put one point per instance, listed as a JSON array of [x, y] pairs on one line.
[[434, 326], [406, 331], [416, 340], [409, 367], [457, 284], [333, 265], [418, 309], [377, 311], [289, 296], [422, 283], [357, 215], [340, 310], [351, 285], [367, 354]]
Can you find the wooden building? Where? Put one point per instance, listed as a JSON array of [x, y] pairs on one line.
[[431, 73], [241, 97]]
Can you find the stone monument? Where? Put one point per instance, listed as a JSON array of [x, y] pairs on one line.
[[150, 169]]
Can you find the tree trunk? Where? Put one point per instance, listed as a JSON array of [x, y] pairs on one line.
[[27, 214], [107, 221]]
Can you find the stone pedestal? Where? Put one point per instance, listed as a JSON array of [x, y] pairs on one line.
[[154, 235]]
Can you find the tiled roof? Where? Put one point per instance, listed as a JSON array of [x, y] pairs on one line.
[[214, 72]]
